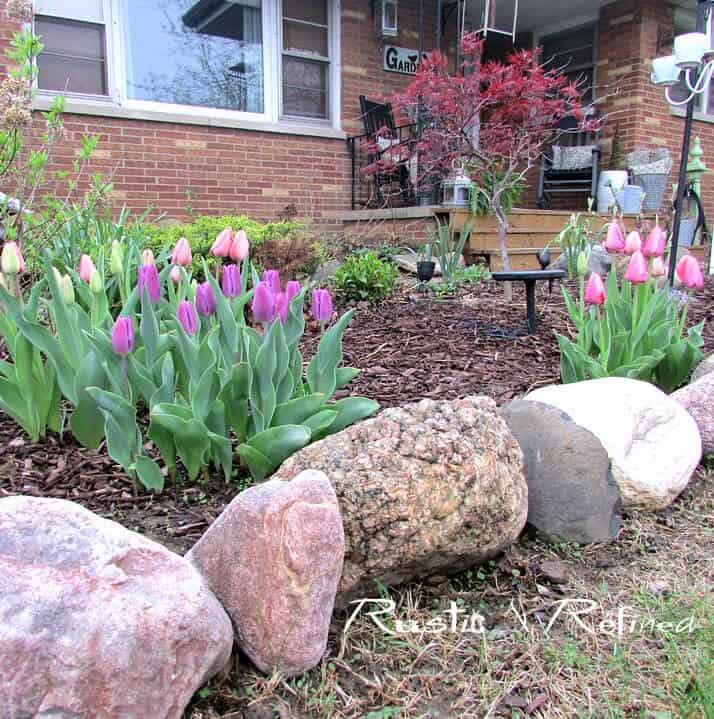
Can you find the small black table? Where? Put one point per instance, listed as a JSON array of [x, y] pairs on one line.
[[529, 277]]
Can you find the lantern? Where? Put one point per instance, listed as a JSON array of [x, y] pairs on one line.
[[388, 18], [457, 188], [497, 16]]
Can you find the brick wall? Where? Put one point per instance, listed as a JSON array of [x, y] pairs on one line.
[[215, 170]]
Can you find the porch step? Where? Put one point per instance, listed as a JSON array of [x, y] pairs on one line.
[[520, 258]]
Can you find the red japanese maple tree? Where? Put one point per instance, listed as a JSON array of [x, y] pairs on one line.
[[494, 117]]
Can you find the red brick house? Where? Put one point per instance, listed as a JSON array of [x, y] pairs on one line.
[[246, 105]]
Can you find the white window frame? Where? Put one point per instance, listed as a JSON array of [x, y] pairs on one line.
[[118, 104]]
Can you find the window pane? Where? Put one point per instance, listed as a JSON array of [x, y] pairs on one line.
[[308, 11], [305, 38], [73, 56], [205, 54], [304, 87]]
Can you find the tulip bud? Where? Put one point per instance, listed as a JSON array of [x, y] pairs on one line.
[[291, 289], [123, 336], [582, 264], [186, 314], [175, 274], [3, 283], [240, 246], [272, 278], [147, 258], [11, 261], [263, 305], [222, 244], [637, 269], [182, 253], [231, 281], [86, 268], [656, 242], [689, 272], [149, 279], [595, 290], [67, 289], [116, 259], [205, 299], [95, 282], [633, 243], [282, 305], [57, 275], [321, 305], [658, 268], [615, 240]]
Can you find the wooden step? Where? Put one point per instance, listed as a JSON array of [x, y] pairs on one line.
[[520, 258], [536, 240]]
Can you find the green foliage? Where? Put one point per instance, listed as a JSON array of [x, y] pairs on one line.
[[365, 276], [448, 249], [640, 335], [483, 192], [578, 235], [462, 277]]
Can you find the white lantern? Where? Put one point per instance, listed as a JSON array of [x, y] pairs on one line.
[[457, 189], [689, 49], [389, 18], [665, 71], [497, 16]]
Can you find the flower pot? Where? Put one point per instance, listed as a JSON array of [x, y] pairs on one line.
[[609, 184], [425, 270]]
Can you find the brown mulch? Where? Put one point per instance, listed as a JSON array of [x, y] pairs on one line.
[[408, 347]]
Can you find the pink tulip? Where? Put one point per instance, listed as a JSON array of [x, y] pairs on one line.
[[239, 247], [182, 253], [86, 268], [292, 288], [12, 261], [656, 242], [615, 239], [282, 305], [321, 306], [205, 299], [637, 269], [147, 258], [633, 243], [123, 336], [222, 245], [689, 272], [175, 275], [186, 314], [231, 281], [658, 268], [149, 278], [272, 277], [595, 290], [263, 305]]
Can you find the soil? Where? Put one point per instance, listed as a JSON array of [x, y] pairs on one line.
[[408, 347]]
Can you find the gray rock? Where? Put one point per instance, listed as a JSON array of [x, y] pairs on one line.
[[326, 271], [428, 488], [97, 621], [572, 495], [698, 399], [599, 261], [706, 366]]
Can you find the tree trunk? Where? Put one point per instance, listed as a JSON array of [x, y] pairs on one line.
[[502, 232]]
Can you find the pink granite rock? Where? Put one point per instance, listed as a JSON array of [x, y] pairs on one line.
[[274, 559], [97, 621], [698, 399]]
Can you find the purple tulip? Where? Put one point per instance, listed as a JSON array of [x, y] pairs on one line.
[[282, 305], [149, 278], [187, 316], [321, 306], [291, 289], [123, 336], [205, 299], [264, 301], [272, 278], [231, 281]]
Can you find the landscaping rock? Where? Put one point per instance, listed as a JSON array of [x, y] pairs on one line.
[[599, 260], [653, 443], [706, 366], [97, 621], [429, 488], [572, 495], [274, 559], [326, 271], [698, 399]]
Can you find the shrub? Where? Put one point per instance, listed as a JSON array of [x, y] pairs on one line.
[[365, 276]]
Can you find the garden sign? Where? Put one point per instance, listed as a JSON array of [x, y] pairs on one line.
[[401, 59]]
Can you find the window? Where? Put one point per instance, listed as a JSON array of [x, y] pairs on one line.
[[685, 20], [268, 59], [574, 52]]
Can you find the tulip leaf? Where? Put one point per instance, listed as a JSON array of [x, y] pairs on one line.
[[320, 423], [350, 410], [149, 328], [275, 445], [345, 375], [296, 411], [149, 473]]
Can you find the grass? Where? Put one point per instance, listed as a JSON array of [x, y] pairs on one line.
[[534, 658]]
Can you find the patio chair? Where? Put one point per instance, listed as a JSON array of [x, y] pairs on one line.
[[571, 164], [380, 127]]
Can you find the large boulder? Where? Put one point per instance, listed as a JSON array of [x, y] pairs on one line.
[[706, 366], [653, 443], [572, 495], [97, 621], [428, 488], [698, 399], [599, 261], [274, 559]]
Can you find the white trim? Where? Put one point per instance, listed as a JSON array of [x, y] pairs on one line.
[[118, 104]]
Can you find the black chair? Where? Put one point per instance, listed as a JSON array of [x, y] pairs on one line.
[[554, 180], [379, 123]]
